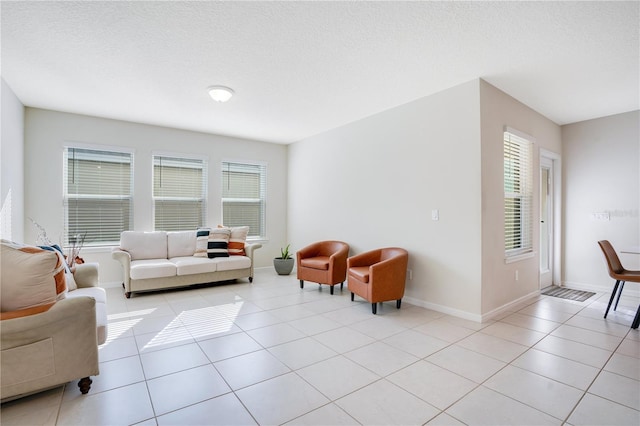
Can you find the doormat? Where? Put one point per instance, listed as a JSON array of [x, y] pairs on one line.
[[565, 293]]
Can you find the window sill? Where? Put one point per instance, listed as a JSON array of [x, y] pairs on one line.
[[519, 257]]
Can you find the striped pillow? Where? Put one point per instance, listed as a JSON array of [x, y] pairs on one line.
[[202, 240], [237, 239], [218, 243]]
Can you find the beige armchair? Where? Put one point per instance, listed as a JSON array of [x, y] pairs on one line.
[[378, 275], [48, 349], [324, 262]]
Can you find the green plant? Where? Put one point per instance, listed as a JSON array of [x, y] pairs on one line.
[[284, 252]]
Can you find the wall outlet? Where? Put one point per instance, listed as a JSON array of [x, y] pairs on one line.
[[410, 274], [435, 214]]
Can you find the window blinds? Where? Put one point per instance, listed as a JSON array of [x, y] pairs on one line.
[[179, 193], [97, 195], [518, 195], [243, 196]]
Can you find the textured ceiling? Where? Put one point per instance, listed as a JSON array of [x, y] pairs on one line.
[[301, 68]]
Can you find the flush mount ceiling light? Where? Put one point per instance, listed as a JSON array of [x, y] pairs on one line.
[[220, 93]]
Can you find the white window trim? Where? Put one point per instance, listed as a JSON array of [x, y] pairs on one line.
[[199, 157], [265, 164], [517, 255], [72, 144]]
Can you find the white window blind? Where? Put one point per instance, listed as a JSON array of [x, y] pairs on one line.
[[97, 194], [179, 193], [518, 195], [243, 196]]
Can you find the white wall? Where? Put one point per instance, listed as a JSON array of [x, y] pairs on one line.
[[47, 132], [601, 175], [373, 183], [12, 215], [499, 286]]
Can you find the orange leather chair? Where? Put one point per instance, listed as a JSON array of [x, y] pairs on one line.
[[324, 262], [378, 275]]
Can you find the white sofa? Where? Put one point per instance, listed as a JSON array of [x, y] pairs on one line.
[[160, 260]]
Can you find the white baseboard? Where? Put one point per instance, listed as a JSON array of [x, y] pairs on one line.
[[470, 316], [630, 289], [444, 309], [511, 306], [111, 284]]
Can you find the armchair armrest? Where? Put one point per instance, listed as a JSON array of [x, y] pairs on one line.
[[363, 259], [68, 318], [86, 275]]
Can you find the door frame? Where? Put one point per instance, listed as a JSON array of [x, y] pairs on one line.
[[549, 157]]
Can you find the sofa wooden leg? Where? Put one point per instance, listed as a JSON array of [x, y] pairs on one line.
[[352, 296], [85, 384], [398, 303], [250, 279], [127, 294], [374, 308], [301, 283]]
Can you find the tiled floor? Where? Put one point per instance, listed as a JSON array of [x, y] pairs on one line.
[[270, 353]]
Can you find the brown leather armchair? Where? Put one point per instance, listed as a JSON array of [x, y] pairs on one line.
[[378, 275], [324, 262]]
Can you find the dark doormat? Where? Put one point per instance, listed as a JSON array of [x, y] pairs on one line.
[[565, 293]]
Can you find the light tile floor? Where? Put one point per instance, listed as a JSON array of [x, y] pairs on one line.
[[270, 353]]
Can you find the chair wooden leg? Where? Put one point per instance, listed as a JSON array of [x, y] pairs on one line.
[[352, 296], [374, 308], [615, 307], [636, 319], [85, 384], [398, 303], [613, 294], [341, 285], [331, 289], [301, 284]]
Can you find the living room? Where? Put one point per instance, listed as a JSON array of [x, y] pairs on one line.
[[375, 181]]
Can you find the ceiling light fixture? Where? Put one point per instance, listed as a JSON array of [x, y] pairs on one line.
[[220, 93]]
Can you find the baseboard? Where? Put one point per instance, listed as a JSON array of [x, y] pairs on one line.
[[511, 306], [630, 289], [111, 284], [468, 315], [443, 309]]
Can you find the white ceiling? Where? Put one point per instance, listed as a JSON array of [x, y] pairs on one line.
[[301, 68]]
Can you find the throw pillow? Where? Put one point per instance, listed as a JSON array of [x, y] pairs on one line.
[[202, 240], [30, 277], [218, 243], [237, 239]]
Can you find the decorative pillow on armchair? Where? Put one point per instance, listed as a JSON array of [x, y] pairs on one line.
[[30, 277]]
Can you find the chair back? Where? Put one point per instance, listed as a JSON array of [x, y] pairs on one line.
[[613, 261]]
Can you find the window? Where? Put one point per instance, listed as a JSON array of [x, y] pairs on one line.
[[97, 195], [179, 193], [243, 196], [517, 195]]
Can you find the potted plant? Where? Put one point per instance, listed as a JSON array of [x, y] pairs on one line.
[[284, 263]]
